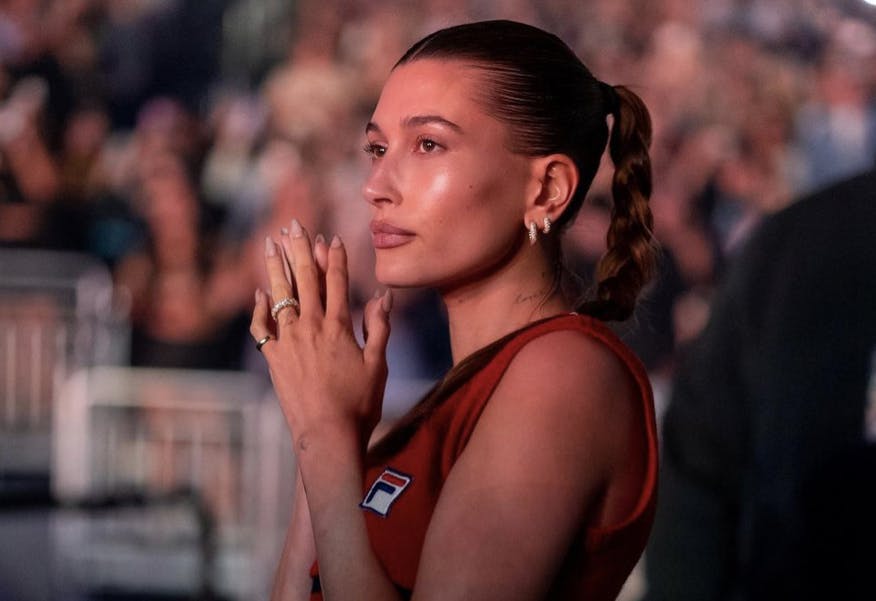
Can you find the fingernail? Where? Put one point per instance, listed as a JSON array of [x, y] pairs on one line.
[[284, 231], [377, 293], [256, 295], [270, 249], [386, 301], [320, 239], [336, 241], [295, 227]]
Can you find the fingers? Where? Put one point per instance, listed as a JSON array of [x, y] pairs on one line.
[[281, 286], [320, 255], [304, 269], [376, 324], [260, 326], [319, 276], [336, 283], [287, 269]]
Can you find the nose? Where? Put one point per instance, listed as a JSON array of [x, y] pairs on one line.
[[380, 186]]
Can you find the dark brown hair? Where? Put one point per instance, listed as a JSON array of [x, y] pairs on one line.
[[552, 104]]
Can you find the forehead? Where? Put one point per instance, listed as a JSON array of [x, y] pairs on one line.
[[432, 87]]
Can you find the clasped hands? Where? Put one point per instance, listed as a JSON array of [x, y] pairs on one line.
[[325, 381]]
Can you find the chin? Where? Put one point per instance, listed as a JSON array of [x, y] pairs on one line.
[[398, 275], [394, 279]]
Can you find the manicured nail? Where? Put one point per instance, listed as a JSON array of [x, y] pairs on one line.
[[386, 301], [377, 293], [295, 228], [336, 241], [270, 249], [284, 231], [320, 239], [256, 294]]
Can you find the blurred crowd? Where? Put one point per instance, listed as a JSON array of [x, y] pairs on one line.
[[168, 137]]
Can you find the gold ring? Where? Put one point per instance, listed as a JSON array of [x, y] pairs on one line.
[[262, 342], [282, 304]]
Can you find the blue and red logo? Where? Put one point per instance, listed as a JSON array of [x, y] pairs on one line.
[[385, 491]]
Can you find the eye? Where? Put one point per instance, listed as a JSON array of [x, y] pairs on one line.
[[427, 145], [374, 150]]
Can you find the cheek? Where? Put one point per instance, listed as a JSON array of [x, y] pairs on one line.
[[495, 196], [439, 196], [440, 186], [483, 219], [462, 186], [466, 198]]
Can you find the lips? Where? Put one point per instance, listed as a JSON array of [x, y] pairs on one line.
[[385, 235]]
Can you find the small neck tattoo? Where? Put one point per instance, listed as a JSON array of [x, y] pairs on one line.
[[528, 298]]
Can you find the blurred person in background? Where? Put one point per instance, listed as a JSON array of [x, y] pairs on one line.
[[529, 470], [175, 266], [769, 446], [165, 48], [836, 126], [29, 177], [36, 41]]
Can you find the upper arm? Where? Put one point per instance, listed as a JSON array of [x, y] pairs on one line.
[[537, 465]]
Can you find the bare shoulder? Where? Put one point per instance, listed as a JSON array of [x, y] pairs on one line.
[[568, 371], [570, 352], [566, 400], [571, 400]]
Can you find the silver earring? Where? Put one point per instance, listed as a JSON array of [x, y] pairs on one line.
[[533, 232], [547, 225]]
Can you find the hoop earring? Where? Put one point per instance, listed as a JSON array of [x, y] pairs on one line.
[[533, 232], [547, 225]]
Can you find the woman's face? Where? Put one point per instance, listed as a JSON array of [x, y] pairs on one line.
[[447, 196]]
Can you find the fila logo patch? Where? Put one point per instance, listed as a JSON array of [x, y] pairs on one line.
[[386, 489]]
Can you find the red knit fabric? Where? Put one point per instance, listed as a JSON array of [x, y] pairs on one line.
[[427, 459]]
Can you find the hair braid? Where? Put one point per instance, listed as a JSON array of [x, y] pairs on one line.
[[631, 255]]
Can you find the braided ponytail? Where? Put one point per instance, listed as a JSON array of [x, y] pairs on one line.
[[631, 257]]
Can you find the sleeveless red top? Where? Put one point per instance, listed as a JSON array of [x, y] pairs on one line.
[[400, 495]]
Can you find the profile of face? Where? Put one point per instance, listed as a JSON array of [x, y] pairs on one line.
[[447, 195]]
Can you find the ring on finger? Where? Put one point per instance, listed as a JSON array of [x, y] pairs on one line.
[[282, 304], [263, 342]]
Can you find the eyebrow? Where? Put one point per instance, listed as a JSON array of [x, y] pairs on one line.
[[417, 120]]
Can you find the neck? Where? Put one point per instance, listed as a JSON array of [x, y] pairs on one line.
[[518, 293]]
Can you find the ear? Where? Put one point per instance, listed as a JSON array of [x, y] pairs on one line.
[[555, 180]]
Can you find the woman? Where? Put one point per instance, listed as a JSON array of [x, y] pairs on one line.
[[529, 471]]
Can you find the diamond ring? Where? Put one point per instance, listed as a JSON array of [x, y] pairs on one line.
[[282, 304]]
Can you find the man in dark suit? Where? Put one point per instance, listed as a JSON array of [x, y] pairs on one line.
[[768, 471]]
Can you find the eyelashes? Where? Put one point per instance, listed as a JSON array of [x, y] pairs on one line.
[[375, 151], [423, 145]]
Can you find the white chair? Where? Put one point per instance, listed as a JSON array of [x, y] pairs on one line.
[[56, 315], [176, 481]]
